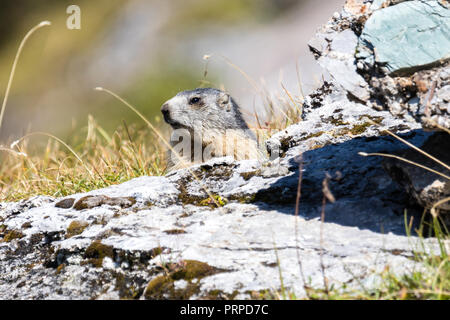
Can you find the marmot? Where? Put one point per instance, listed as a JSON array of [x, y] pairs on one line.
[[207, 123]]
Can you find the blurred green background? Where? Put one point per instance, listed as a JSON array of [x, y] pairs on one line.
[[146, 51]]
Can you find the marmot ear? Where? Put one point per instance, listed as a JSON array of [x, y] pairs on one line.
[[224, 101]]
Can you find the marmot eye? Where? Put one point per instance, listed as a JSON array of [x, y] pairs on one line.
[[194, 100]]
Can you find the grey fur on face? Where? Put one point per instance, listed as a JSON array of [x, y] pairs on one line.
[[207, 123], [213, 108]]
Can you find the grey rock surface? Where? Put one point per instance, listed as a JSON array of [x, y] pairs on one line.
[[161, 237], [337, 51], [425, 187], [231, 233], [408, 36], [391, 55]]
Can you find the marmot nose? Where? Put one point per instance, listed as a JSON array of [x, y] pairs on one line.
[[165, 111]]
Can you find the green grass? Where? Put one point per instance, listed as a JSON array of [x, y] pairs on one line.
[[47, 167], [431, 281], [91, 158]]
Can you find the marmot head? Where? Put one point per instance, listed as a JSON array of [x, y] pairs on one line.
[[208, 107]]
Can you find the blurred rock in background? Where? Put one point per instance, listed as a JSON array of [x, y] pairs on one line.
[[147, 51]]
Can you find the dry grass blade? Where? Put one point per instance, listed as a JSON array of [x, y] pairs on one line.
[[60, 141], [327, 195], [297, 208], [364, 154], [433, 210], [249, 79], [412, 146], [326, 190], [322, 265], [299, 80], [16, 60], [284, 114], [160, 136], [430, 97], [434, 123], [290, 98], [14, 152]]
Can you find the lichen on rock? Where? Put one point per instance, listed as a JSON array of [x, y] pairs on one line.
[[391, 55], [93, 201], [163, 237], [75, 228], [164, 286]]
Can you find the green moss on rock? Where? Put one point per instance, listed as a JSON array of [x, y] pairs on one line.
[[248, 175], [26, 225], [162, 287], [90, 202], [126, 287], [376, 119], [75, 228], [216, 172], [209, 202], [360, 128], [246, 198], [205, 201], [157, 287], [12, 234], [313, 135], [193, 269], [185, 198], [175, 231], [96, 252], [338, 122]]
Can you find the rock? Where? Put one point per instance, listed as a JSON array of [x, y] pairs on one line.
[[408, 36], [237, 239], [408, 76], [90, 202], [318, 44], [338, 59], [76, 228], [422, 96], [356, 7], [226, 229], [65, 203], [237, 244], [425, 187], [379, 4]]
